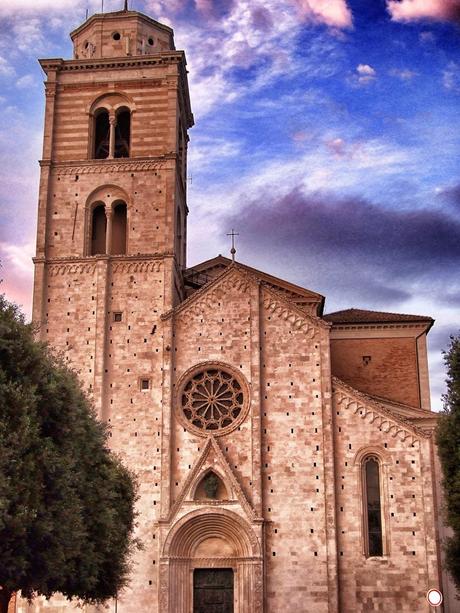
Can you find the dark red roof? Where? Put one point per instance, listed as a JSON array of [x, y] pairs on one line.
[[361, 316]]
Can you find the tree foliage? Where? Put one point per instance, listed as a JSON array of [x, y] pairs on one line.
[[448, 440], [66, 502]]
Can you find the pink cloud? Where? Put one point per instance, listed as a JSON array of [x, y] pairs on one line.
[[17, 274], [333, 13], [413, 10]]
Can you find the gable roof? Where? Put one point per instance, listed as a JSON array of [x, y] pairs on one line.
[[240, 277], [206, 271], [362, 316]]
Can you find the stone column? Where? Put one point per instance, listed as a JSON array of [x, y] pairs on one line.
[[108, 233], [113, 123]]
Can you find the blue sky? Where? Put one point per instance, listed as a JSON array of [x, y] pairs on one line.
[[326, 134]]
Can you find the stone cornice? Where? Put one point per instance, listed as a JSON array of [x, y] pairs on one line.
[[288, 310], [81, 167], [379, 326], [375, 413], [163, 57]]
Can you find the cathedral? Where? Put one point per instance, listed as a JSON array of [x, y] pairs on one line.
[[285, 456]]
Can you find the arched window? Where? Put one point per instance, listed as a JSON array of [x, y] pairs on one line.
[[122, 133], [98, 230], [372, 506], [101, 135], [119, 229]]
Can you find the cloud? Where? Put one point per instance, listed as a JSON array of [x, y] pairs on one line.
[[352, 236], [365, 74], [404, 74], [245, 46], [333, 13], [6, 69], [451, 77], [207, 151], [25, 81], [415, 10], [17, 273], [426, 37]]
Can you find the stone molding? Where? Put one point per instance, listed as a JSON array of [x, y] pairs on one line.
[[375, 414], [71, 269], [237, 526], [139, 266], [104, 166], [281, 306]]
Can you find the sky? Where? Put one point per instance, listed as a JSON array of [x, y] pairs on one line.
[[327, 135]]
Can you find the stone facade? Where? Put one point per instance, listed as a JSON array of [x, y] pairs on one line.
[[220, 382]]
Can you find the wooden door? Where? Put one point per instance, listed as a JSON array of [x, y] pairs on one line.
[[213, 590]]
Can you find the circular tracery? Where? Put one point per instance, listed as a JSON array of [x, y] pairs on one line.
[[212, 400]]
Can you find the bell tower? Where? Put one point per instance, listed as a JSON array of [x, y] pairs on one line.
[[111, 236]]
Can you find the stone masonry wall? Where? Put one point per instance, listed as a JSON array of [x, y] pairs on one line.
[[392, 371], [399, 580]]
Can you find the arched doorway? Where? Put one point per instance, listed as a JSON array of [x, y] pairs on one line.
[[206, 540]]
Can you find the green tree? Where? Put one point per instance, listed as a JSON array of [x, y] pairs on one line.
[[448, 440], [66, 502]]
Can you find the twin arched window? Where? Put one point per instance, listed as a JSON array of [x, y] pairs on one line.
[[112, 133], [108, 231], [372, 506]]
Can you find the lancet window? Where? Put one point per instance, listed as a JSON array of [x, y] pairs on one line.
[[372, 506], [98, 230]]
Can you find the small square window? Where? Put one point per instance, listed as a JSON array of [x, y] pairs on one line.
[[118, 316], [366, 359], [145, 384]]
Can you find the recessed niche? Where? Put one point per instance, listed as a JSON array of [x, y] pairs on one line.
[[211, 487]]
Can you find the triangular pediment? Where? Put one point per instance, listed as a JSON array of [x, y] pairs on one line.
[[212, 460], [199, 275], [237, 278]]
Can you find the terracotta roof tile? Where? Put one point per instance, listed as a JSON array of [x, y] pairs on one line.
[[361, 316]]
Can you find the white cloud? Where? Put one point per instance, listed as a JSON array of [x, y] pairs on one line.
[[14, 7], [25, 81], [364, 75], [253, 36], [207, 151], [19, 257], [6, 69], [414, 10]]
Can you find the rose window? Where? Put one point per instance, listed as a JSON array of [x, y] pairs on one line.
[[212, 399]]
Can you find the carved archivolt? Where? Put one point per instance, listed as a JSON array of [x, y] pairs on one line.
[[376, 415], [193, 528], [71, 269]]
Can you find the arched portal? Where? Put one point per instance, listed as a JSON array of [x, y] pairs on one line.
[[211, 538]]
